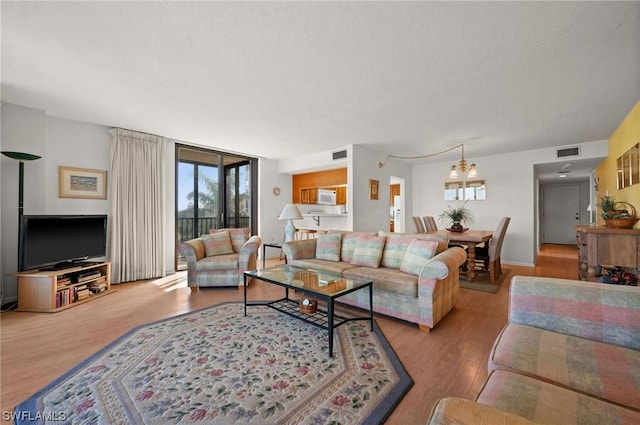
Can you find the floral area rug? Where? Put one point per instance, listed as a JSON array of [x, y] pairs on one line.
[[216, 366]]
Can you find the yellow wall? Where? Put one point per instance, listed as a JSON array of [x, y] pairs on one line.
[[625, 136]]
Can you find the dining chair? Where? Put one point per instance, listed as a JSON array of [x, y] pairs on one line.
[[489, 256], [419, 224], [430, 223]]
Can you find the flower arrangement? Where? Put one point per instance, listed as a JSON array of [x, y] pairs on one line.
[[607, 205], [457, 216], [615, 216]]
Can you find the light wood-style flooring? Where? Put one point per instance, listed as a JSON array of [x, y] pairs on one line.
[[451, 360]]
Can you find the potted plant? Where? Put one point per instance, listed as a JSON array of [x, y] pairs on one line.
[[617, 214], [607, 205], [456, 216]]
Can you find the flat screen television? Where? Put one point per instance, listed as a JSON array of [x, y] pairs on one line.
[[58, 241]]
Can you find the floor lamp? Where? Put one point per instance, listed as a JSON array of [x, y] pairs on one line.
[[21, 157]]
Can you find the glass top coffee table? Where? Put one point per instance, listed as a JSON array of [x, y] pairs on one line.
[[323, 286]]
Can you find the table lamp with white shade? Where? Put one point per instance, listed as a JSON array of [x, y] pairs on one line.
[[290, 212]]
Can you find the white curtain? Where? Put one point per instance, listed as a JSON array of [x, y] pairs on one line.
[[138, 203]]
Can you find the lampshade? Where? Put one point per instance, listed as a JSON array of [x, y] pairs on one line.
[[290, 212], [20, 156]]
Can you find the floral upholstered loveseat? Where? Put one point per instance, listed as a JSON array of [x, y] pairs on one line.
[[570, 354], [415, 277], [220, 258]]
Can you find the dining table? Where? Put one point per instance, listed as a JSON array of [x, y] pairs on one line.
[[470, 238]]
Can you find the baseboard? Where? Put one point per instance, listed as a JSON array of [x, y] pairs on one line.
[[8, 306]]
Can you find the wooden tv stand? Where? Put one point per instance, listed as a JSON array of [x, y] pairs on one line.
[[55, 290]]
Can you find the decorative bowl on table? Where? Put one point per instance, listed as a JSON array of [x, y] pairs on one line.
[[619, 216], [456, 230], [308, 305]]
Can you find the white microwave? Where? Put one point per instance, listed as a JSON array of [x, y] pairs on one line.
[[326, 197]]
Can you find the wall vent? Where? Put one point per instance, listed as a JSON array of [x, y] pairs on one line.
[[340, 155], [562, 153]]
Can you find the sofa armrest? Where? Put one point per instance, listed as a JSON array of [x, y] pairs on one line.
[[596, 311], [452, 410], [249, 249], [298, 250], [440, 266]]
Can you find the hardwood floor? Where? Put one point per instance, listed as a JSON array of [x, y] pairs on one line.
[[451, 360]]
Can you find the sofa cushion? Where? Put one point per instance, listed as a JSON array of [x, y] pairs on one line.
[[328, 247], [217, 243], [605, 371], [605, 313], [416, 256], [387, 280], [458, 411], [546, 403], [336, 267], [349, 240], [394, 249], [368, 251], [443, 241], [238, 236], [219, 262]]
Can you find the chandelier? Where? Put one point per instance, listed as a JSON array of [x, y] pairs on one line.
[[462, 166]]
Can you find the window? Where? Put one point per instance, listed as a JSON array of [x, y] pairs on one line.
[[472, 190]]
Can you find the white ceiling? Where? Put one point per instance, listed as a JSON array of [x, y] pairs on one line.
[[283, 79]]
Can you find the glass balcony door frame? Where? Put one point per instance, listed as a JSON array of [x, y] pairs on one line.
[[225, 163]]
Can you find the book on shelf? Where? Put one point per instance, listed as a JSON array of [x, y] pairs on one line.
[[97, 287], [64, 297], [84, 277], [63, 280], [83, 294]]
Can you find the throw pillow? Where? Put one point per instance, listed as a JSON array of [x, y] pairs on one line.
[[328, 247], [368, 251], [417, 254], [218, 243], [238, 236]]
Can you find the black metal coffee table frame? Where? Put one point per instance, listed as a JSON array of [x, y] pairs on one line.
[[323, 319]]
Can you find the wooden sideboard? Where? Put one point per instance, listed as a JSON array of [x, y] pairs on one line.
[[598, 245]]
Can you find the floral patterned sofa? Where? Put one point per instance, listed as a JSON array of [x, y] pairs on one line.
[[220, 258], [570, 354], [415, 277]]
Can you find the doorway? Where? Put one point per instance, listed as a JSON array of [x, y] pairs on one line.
[[214, 190], [561, 213], [396, 205]]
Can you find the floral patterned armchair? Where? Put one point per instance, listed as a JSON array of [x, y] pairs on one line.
[[220, 258]]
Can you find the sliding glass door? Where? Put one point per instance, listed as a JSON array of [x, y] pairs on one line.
[[214, 190]]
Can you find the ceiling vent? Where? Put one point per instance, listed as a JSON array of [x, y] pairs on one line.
[[340, 155], [563, 153]]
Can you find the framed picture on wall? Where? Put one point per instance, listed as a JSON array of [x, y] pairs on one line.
[[374, 185], [82, 183]]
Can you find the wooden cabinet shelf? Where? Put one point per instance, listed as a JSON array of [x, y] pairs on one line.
[[604, 246], [56, 290]]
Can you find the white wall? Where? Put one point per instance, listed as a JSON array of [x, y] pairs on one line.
[[23, 130], [362, 165], [512, 190], [80, 145], [270, 205], [59, 142], [373, 215]]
